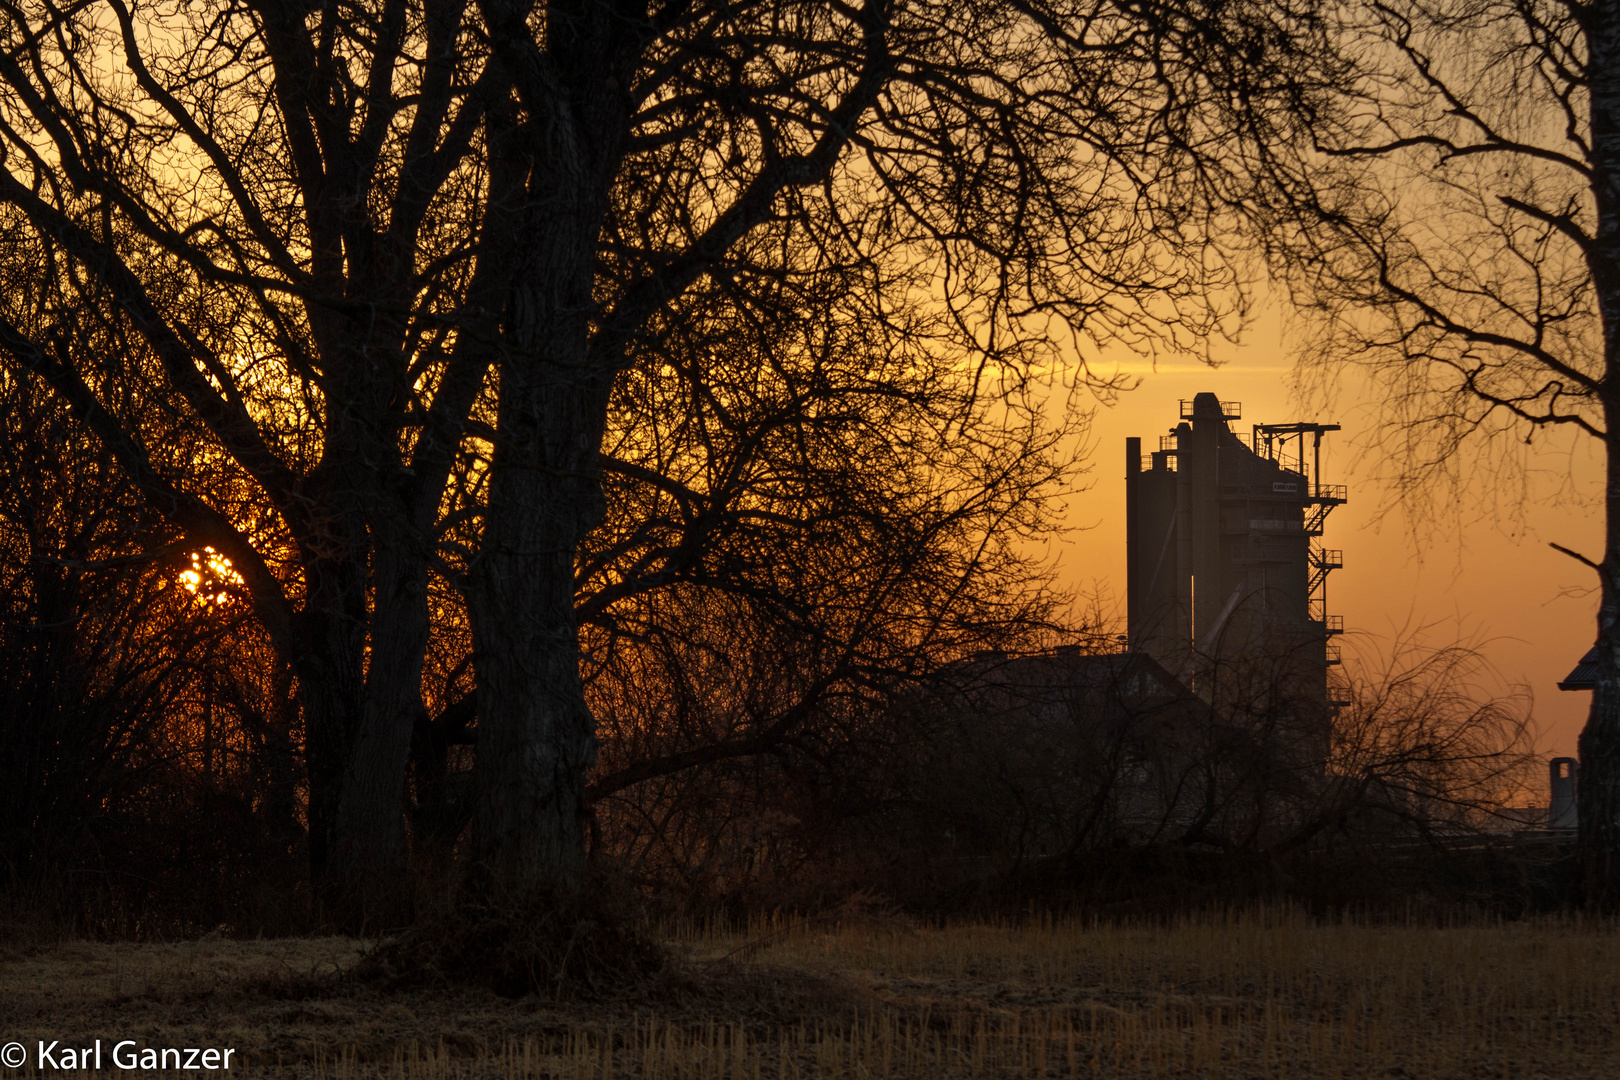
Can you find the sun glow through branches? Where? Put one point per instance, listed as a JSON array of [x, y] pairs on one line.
[[211, 578]]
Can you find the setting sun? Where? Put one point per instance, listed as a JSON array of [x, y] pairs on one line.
[[211, 577]]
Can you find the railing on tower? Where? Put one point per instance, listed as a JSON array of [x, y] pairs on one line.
[[1230, 410]]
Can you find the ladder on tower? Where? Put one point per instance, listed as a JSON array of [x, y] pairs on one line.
[[1323, 562]]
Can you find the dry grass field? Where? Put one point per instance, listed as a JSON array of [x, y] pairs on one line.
[[1260, 995]]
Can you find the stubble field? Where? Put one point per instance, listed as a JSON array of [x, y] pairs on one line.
[[1261, 995]]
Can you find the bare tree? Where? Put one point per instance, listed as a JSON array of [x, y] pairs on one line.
[[318, 235], [1045, 174], [1426, 744], [266, 224], [805, 506], [824, 479], [125, 696], [1044, 764], [1454, 224], [96, 644]]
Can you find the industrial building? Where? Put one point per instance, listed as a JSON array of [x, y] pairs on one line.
[[1225, 562]]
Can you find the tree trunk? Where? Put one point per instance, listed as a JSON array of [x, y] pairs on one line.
[[536, 736], [1598, 790], [360, 684], [330, 690], [1598, 793], [368, 882]]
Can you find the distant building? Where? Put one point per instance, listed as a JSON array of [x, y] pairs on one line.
[[1070, 749], [1584, 675], [1224, 556]]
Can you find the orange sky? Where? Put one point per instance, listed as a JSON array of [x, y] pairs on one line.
[[1474, 573]]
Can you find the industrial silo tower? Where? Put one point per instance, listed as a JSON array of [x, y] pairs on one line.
[[1225, 559]]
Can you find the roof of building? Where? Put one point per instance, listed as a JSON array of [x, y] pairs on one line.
[[1124, 676], [1104, 693], [1584, 677]]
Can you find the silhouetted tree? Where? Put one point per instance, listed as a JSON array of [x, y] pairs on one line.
[[139, 743], [812, 476], [1046, 174], [96, 646], [1452, 217], [321, 234], [306, 282]]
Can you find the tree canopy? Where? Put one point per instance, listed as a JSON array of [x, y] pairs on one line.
[[359, 294]]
